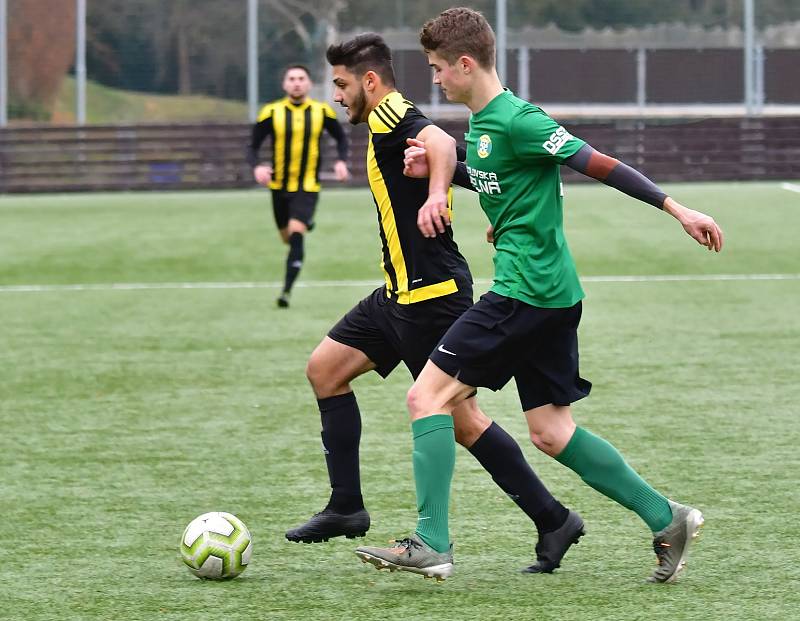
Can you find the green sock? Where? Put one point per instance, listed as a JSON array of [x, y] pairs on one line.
[[434, 458], [602, 467]]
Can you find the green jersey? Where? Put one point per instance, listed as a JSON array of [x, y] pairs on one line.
[[514, 153]]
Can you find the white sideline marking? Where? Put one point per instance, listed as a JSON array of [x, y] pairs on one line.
[[315, 284], [792, 187], [690, 277]]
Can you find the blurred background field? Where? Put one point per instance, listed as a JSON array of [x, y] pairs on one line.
[[130, 409]]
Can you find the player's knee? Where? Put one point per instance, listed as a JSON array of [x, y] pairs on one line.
[[314, 372], [297, 227], [417, 403], [321, 377], [546, 442], [538, 441]]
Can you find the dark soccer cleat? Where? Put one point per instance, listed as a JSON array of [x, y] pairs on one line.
[[283, 300], [326, 524], [552, 546], [671, 545]]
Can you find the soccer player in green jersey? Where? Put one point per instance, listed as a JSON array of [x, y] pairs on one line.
[[525, 327], [428, 285]]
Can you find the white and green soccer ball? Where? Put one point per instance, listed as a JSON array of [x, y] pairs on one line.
[[216, 546]]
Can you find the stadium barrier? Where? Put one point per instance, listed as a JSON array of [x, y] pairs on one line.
[[211, 155]]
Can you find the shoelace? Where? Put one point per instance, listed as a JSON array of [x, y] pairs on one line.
[[661, 548], [406, 543]]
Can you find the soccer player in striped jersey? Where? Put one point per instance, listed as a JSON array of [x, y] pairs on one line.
[[295, 124], [526, 326], [427, 286]]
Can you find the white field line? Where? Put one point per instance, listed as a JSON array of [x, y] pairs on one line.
[[792, 187], [316, 284]]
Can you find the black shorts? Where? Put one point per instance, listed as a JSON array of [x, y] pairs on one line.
[[390, 333], [296, 205], [499, 338]]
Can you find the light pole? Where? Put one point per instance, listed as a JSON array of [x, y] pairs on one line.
[[749, 57], [3, 65], [80, 62], [252, 59], [502, 41]]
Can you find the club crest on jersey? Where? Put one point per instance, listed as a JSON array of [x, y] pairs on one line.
[[484, 146]]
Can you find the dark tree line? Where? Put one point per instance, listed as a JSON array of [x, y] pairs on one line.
[[198, 46]]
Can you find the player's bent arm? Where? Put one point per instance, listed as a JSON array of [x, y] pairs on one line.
[[259, 133], [335, 129], [624, 178], [440, 148], [416, 164]]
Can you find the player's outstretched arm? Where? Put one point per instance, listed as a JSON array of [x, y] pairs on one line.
[[433, 217], [624, 178]]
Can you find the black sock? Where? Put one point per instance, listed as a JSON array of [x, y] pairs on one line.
[[341, 434], [294, 260], [502, 457]]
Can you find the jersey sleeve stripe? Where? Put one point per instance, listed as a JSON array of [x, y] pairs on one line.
[[382, 116], [390, 112]]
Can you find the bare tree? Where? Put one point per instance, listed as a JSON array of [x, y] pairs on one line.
[[40, 51]]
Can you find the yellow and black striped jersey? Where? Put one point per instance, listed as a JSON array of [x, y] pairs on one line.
[[416, 268], [296, 131]]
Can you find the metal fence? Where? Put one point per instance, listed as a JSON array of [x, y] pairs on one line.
[[666, 70], [132, 61]]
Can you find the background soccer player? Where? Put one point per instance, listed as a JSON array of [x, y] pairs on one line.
[[525, 327], [295, 124], [428, 285]]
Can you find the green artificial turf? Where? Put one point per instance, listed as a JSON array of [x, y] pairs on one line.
[[128, 411]]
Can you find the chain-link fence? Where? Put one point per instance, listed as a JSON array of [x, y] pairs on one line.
[[185, 60]]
